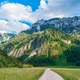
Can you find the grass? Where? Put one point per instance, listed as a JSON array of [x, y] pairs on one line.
[[35, 73], [68, 74], [19, 74]]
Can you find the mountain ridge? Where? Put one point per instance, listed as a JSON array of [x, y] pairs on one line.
[[5, 36], [45, 45], [65, 24]]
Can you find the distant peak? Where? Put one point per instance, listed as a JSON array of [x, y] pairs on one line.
[[3, 31]]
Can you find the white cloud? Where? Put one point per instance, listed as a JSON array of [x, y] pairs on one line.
[[49, 10], [12, 26], [13, 13], [57, 8]]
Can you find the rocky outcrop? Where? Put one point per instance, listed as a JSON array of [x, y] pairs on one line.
[[39, 43], [68, 25], [5, 36]]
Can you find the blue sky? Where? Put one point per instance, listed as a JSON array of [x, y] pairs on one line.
[[66, 5], [18, 15], [33, 3]]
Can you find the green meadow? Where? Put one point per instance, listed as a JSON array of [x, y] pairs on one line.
[[35, 73]]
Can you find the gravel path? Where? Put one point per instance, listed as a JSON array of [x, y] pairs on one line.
[[50, 75]]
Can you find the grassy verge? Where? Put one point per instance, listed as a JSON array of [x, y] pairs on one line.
[[35, 73], [68, 74]]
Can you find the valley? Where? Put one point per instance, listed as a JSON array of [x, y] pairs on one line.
[[43, 46], [39, 39]]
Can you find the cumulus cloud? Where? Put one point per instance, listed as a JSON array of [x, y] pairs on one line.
[[57, 8], [13, 13], [49, 10], [12, 26]]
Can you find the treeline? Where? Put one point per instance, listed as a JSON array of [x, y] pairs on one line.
[[73, 55], [70, 57], [6, 61]]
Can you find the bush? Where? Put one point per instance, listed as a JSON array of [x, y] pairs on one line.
[[73, 56], [6, 61]]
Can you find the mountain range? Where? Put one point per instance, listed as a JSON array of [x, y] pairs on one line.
[[48, 42], [5, 36], [66, 24]]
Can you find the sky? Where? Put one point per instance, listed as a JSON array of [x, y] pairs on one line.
[[18, 15]]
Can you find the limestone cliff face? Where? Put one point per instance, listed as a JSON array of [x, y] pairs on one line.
[[68, 25], [39, 43]]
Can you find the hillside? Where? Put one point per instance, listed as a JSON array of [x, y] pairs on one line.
[[48, 42], [6, 61], [42, 47]]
